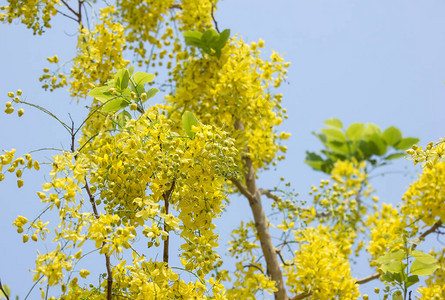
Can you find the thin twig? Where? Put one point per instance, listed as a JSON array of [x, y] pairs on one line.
[[65, 15], [167, 196], [4, 292], [213, 17], [253, 266], [70, 8]]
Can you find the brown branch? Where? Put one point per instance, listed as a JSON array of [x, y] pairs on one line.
[[65, 15], [367, 279], [281, 257], [269, 194], [4, 292], [166, 196], [177, 6], [243, 190], [253, 266], [431, 230], [107, 257], [70, 8], [261, 224], [301, 296], [213, 17]]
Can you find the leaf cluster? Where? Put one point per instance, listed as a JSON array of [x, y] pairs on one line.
[[359, 142], [210, 42]]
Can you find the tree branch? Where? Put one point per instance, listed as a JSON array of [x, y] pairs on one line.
[[166, 196], [252, 193], [70, 8], [367, 279], [301, 296], [107, 257], [4, 292], [243, 190], [213, 17]]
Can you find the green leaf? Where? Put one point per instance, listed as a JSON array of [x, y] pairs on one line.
[[394, 267], [390, 256], [334, 123], [115, 104], [422, 269], [142, 77], [192, 38], [395, 156], [392, 136], [334, 135], [397, 296], [121, 79], [413, 279], [188, 121], [370, 130], [151, 93], [388, 277], [131, 70], [314, 160], [377, 144], [339, 148], [355, 131], [406, 143], [139, 89], [101, 93], [223, 38], [122, 118], [423, 257]]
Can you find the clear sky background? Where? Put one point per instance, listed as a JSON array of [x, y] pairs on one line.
[[359, 61]]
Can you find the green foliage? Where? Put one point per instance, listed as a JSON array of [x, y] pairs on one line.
[[119, 92], [398, 268], [360, 142], [188, 121], [210, 42]]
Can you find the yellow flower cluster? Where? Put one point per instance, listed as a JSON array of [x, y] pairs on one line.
[[127, 175], [52, 80], [240, 243], [425, 198], [387, 226], [250, 281], [319, 267], [51, 266], [17, 165], [34, 14], [99, 53], [435, 284], [432, 154], [233, 93], [196, 14], [16, 99], [340, 204]]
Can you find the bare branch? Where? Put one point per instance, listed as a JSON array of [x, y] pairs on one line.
[[4, 292], [367, 279], [301, 296], [176, 6], [253, 266], [213, 17], [431, 230], [70, 8], [167, 196], [243, 190]]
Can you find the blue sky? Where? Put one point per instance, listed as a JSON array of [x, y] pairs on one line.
[[359, 61]]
